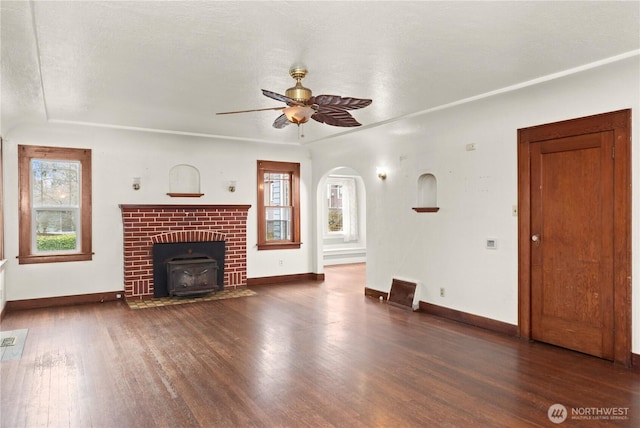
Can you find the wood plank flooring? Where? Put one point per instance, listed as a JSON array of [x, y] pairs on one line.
[[309, 354]]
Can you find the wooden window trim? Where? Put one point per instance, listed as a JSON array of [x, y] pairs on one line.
[[25, 154], [279, 167]]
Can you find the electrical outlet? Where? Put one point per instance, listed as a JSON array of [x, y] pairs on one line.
[[280, 262], [441, 291], [118, 296], [470, 147]]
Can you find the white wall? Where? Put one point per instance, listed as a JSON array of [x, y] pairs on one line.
[[476, 189], [117, 157]]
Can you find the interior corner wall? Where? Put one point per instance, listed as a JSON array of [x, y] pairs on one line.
[[477, 189], [3, 297], [117, 157]]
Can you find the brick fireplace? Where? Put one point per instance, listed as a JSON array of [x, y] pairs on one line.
[[145, 225]]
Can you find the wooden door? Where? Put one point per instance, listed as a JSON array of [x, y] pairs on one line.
[[572, 243], [574, 232]]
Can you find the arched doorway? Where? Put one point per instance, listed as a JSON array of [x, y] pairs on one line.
[[341, 217]]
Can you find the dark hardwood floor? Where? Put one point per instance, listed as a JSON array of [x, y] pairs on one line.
[[309, 354]]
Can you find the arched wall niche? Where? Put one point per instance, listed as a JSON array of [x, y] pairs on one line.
[[184, 181], [427, 197]]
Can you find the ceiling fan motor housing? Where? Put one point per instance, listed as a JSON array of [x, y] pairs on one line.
[[298, 92]]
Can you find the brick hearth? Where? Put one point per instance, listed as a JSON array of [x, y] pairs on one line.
[[144, 225]]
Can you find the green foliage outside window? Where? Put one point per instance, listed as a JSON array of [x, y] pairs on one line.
[[56, 242]]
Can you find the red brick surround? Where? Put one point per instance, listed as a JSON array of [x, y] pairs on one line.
[[144, 225]]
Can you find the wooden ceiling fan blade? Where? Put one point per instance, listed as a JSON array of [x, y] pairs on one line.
[[281, 121], [248, 111], [338, 102], [280, 97], [336, 118]]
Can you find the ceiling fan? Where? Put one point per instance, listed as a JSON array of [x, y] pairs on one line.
[[301, 105]]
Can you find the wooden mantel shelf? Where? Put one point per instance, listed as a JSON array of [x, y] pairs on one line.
[[174, 206], [426, 209], [185, 195]]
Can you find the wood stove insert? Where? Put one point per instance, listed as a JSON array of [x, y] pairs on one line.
[[188, 276], [204, 262]]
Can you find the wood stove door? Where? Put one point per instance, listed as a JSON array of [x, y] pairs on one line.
[[192, 277]]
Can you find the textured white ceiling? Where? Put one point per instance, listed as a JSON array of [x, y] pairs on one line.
[[170, 66]]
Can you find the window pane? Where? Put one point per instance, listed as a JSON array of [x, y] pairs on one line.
[[56, 230], [278, 224], [335, 195], [334, 199], [277, 188], [335, 219], [55, 183]]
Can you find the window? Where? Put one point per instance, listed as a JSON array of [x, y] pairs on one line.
[[341, 215], [55, 204], [278, 205]]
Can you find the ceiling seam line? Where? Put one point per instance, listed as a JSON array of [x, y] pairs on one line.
[[37, 42], [163, 131]]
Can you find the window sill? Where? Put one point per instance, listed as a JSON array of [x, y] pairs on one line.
[[280, 246], [54, 258], [345, 250]]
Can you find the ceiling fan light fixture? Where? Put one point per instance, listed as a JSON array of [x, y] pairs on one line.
[[298, 114]]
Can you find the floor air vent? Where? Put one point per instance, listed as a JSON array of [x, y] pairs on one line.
[[11, 344], [402, 293], [8, 341]]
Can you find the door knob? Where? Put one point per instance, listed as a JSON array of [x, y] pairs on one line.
[[535, 239]]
